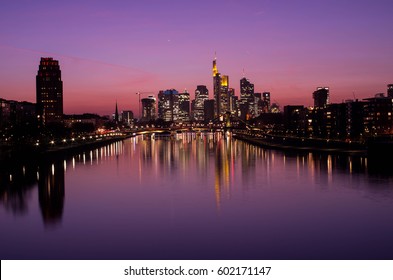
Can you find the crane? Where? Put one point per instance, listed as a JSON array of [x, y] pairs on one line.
[[139, 94]]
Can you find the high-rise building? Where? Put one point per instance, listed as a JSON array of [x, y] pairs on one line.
[[201, 95], [266, 102], [209, 109], [246, 98], [49, 91], [321, 97], [148, 108], [232, 102], [390, 90], [258, 103], [168, 105], [216, 88], [224, 95], [184, 106]]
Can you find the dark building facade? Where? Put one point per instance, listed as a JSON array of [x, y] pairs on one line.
[[209, 109], [49, 91], [321, 97], [148, 108]]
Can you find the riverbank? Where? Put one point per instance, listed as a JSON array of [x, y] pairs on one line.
[[37, 152], [304, 144]]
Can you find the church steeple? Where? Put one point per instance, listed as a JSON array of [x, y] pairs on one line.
[[116, 114]]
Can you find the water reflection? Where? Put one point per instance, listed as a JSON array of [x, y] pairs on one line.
[[215, 160], [51, 191]]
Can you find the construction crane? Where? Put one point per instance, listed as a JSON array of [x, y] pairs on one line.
[[139, 94]]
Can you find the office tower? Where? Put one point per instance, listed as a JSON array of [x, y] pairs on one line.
[[201, 95], [209, 109], [221, 91], [246, 98], [390, 90], [148, 108], [321, 97], [184, 106], [168, 105], [258, 103], [266, 102], [216, 88], [224, 95], [232, 103], [49, 91]]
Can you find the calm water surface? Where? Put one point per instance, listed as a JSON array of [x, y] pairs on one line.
[[194, 196]]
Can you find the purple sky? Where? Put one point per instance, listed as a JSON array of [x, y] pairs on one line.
[[109, 50]]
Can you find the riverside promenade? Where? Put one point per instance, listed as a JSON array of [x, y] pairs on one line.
[[303, 144]]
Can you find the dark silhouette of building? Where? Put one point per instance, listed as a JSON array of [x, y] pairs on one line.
[[355, 119], [209, 109], [294, 119], [378, 117], [148, 108], [390, 90], [216, 88], [49, 89], [116, 118], [266, 102], [16, 113], [321, 97]]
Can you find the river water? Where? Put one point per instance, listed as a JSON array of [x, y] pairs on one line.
[[194, 196]]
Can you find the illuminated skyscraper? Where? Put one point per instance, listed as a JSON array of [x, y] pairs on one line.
[[216, 88], [201, 95], [224, 94], [246, 98], [49, 91], [168, 105], [184, 106], [221, 91]]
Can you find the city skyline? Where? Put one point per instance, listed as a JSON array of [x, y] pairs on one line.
[[110, 52]]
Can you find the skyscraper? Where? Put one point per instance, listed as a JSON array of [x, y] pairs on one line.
[[49, 91], [168, 105], [224, 94], [148, 108], [216, 88], [390, 90], [201, 95], [246, 98], [184, 106], [321, 97], [221, 91], [266, 102]]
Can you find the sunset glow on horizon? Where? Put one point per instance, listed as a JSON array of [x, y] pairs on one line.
[[108, 51]]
